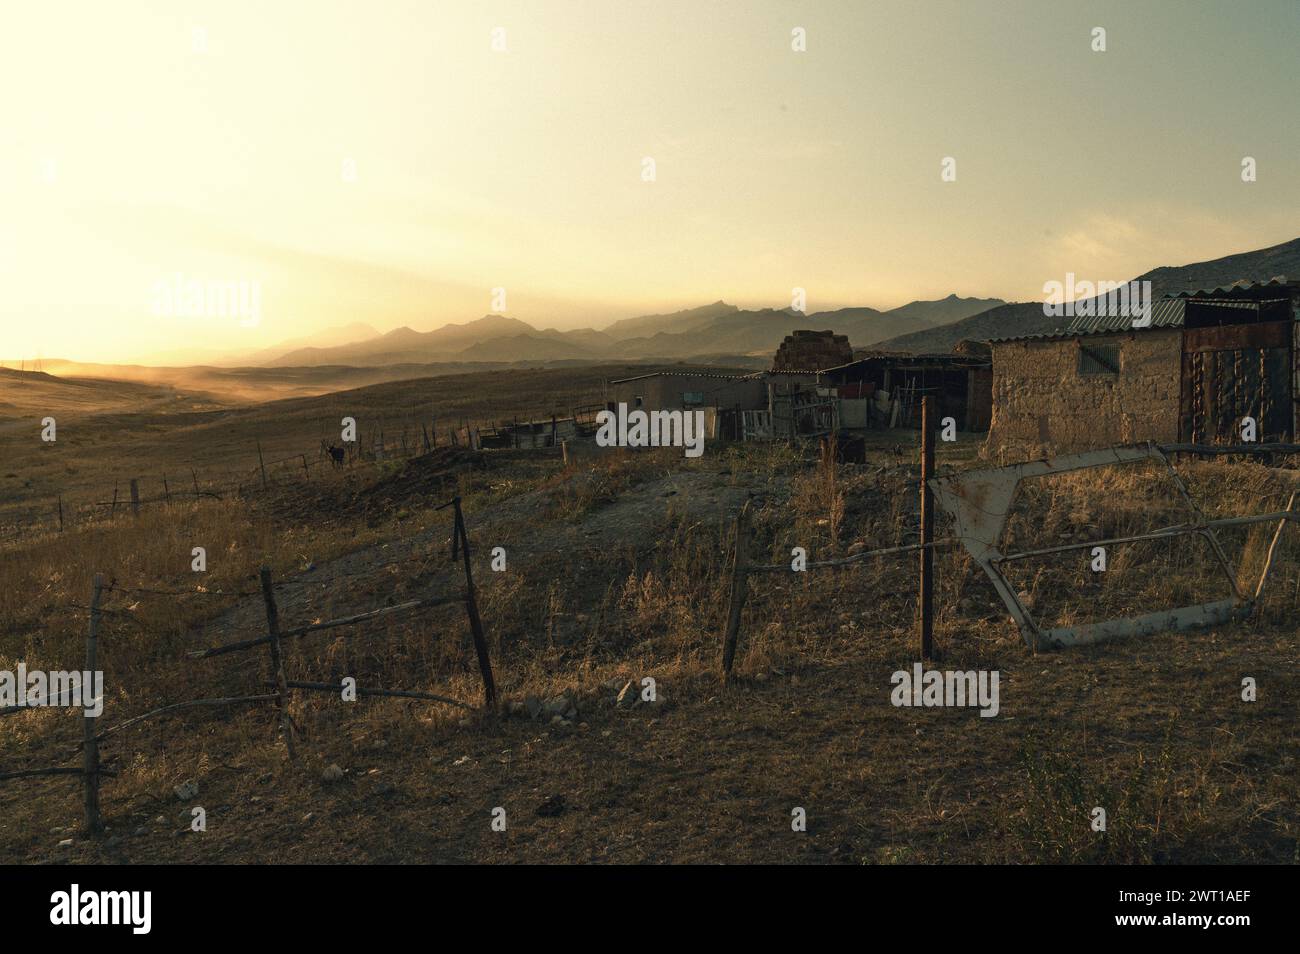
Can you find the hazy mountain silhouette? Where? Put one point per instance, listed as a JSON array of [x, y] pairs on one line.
[[1026, 318]]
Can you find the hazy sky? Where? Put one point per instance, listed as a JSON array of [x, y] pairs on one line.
[[380, 162]]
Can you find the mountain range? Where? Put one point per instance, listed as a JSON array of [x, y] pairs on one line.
[[719, 328]]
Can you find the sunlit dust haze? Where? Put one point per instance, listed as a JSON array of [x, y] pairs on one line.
[[392, 163]]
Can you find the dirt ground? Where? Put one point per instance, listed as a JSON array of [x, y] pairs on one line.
[[617, 572]]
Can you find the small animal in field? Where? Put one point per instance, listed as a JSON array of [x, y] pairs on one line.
[[336, 455]]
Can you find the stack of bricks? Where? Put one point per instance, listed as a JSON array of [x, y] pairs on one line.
[[812, 351]]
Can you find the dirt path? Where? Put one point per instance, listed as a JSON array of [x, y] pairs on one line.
[[419, 563]]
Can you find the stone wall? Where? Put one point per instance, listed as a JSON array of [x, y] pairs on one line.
[[1042, 405]]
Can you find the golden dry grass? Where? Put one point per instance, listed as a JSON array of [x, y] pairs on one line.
[[618, 571]]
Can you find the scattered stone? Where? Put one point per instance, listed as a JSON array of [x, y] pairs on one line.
[[558, 720], [332, 773], [629, 696], [557, 706], [533, 705], [464, 723], [67, 842], [552, 807], [516, 708], [160, 820], [142, 830], [186, 790]]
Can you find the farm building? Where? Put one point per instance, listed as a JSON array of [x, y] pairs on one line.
[[885, 390], [1206, 361], [681, 390]]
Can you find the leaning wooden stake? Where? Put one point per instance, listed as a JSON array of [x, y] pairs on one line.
[[461, 542], [739, 590], [277, 661], [927, 527], [90, 750], [261, 464]]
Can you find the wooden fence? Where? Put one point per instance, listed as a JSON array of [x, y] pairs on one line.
[[274, 639]]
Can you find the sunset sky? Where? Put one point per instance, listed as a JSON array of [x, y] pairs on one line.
[[141, 141]]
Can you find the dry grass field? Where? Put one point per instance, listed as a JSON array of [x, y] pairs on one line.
[[617, 570]]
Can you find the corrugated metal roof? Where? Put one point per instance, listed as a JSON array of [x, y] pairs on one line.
[[681, 374], [1165, 313], [1168, 312], [1243, 289]]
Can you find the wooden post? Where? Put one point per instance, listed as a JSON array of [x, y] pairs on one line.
[[60, 513], [433, 431], [113, 511], [305, 471], [135, 497], [194, 474], [261, 464], [471, 610], [167, 492], [424, 431], [90, 747], [277, 661], [564, 452], [927, 527], [739, 590]]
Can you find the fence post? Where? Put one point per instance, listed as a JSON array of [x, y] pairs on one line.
[[471, 610], [60, 513], [135, 497], [113, 512], [564, 452], [167, 491], [927, 527], [277, 661], [90, 747], [739, 590], [261, 464], [306, 472]]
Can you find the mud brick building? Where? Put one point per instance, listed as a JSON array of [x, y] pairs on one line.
[[812, 351], [681, 390], [1206, 361]]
